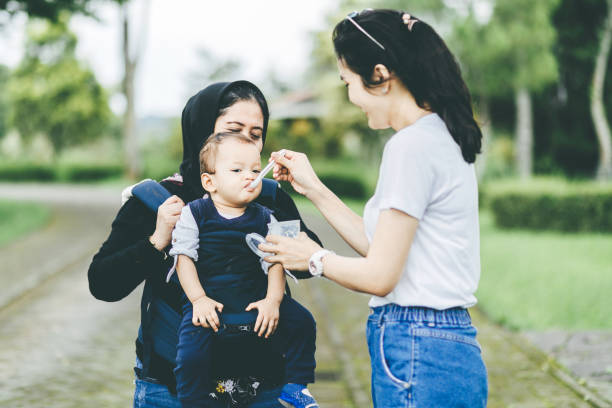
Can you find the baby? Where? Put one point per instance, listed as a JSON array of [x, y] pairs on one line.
[[221, 277]]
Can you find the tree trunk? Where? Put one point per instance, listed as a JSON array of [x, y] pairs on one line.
[[598, 109], [524, 133], [132, 154]]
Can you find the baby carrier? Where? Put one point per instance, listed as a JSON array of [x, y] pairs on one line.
[[237, 379]]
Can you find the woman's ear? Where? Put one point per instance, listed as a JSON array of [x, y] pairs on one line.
[[381, 74], [208, 183]]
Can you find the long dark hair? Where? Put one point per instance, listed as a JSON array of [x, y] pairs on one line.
[[420, 59]]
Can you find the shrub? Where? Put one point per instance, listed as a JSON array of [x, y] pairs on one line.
[[552, 205], [344, 186], [74, 172], [26, 171], [160, 169], [81, 172]]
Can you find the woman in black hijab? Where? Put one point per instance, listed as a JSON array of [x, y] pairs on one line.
[[136, 249]]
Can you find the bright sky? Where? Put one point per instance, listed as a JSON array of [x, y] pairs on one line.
[[262, 34]]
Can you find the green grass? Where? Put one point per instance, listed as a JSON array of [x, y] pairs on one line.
[[18, 219], [541, 280]]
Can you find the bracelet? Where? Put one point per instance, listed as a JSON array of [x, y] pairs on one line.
[[159, 250]]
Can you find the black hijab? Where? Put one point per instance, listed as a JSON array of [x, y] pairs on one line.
[[198, 122]]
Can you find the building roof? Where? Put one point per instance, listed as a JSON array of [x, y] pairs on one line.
[[296, 105]]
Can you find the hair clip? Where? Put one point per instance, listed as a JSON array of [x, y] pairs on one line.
[[408, 20]]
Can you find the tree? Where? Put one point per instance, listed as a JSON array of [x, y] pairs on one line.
[[44, 8], [51, 93], [474, 49], [598, 112], [132, 51], [212, 68], [4, 77], [573, 144], [523, 36]]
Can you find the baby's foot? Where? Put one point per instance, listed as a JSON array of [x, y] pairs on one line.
[[297, 396]]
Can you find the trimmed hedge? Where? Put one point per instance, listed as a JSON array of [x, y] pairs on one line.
[[344, 186], [77, 172], [88, 172], [552, 205], [26, 172]]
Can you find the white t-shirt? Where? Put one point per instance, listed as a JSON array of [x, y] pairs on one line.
[[423, 174]]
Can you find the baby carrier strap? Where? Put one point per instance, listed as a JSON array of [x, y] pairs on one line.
[[159, 322], [269, 188]]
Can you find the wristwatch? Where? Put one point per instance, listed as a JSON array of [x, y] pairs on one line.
[[315, 263]]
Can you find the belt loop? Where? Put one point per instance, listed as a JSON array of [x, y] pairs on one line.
[[381, 317]]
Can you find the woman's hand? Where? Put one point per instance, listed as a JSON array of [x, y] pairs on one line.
[[292, 253], [167, 215], [267, 318], [295, 168], [205, 312]]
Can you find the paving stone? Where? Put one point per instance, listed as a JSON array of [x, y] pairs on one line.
[[57, 339]]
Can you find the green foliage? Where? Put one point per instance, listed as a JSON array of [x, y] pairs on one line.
[[500, 158], [564, 137], [212, 68], [51, 10], [4, 76], [520, 39], [302, 135], [551, 204], [344, 186], [19, 218], [175, 142], [348, 178], [564, 122], [158, 167], [53, 94]]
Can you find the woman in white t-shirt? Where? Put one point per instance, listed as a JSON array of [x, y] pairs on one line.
[[419, 236]]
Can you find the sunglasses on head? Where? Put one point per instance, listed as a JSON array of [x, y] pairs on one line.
[[351, 17]]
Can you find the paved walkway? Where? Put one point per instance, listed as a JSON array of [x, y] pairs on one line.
[[520, 376], [59, 347]]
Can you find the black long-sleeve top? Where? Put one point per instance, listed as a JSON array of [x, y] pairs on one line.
[[127, 258]]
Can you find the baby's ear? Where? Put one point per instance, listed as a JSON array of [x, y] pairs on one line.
[[208, 182]]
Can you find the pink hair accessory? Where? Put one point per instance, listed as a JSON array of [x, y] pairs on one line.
[[409, 21]]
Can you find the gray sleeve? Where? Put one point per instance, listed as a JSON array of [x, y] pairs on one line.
[[185, 238]]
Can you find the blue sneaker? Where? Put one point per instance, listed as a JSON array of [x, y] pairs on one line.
[[297, 396]]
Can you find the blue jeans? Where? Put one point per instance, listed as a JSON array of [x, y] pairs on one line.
[[425, 358], [152, 395], [295, 338]]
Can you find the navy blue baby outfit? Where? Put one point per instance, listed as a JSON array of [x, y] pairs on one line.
[[231, 274]]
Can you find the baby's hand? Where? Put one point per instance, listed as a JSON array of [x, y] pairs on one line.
[[267, 318], [205, 313]]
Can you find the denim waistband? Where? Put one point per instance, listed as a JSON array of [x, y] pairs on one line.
[[456, 316]]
